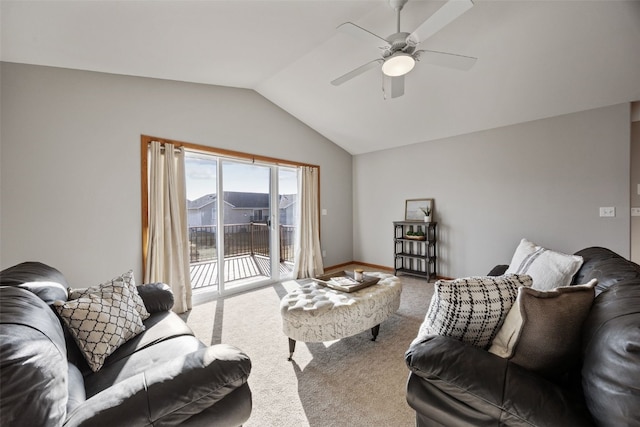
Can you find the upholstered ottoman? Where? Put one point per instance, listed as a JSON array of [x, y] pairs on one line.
[[314, 313]]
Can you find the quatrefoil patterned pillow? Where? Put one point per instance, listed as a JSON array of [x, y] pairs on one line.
[[128, 280], [101, 321]]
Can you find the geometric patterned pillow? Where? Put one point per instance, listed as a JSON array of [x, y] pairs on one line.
[[471, 309], [128, 280], [100, 322]]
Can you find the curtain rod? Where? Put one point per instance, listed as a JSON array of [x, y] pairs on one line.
[[226, 153], [176, 149]]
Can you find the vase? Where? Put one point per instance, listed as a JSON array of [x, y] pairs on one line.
[[427, 218]]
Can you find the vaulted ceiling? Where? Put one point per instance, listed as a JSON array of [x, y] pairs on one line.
[[536, 59]]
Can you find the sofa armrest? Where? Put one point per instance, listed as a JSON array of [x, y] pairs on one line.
[[498, 270], [157, 297], [488, 386], [168, 393]]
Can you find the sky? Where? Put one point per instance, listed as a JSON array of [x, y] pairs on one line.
[[244, 177]]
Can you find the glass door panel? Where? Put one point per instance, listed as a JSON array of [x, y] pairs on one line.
[[202, 219], [246, 218], [287, 218]]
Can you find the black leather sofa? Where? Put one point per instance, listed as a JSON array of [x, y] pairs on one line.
[[455, 384], [162, 377]]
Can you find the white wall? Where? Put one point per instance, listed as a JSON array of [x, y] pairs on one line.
[[70, 161], [635, 183], [544, 180]]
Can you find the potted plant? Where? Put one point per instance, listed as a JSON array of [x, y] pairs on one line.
[[427, 213]]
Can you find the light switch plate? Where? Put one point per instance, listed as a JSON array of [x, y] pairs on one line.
[[608, 211], [635, 211]]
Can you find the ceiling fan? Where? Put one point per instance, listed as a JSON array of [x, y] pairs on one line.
[[400, 49]]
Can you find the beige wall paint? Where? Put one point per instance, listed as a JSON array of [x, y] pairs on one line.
[[543, 180], [70, 161]]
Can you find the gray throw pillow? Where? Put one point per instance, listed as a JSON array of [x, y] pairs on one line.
[[543, 328]]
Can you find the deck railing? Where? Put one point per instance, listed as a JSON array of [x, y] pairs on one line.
[[239, 239]]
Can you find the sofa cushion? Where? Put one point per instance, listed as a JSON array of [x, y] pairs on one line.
[[138, 362], [471, 309], [159, 327], [177, 383], [127, 279], [455, 384], [542, 330], [548, 269], [33, 364], [46, 282], [100, 322]]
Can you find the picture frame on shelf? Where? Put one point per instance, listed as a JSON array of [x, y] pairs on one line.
[[418, 210]]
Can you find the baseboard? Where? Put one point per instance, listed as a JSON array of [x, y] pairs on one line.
[[364, 264], [375, 267]]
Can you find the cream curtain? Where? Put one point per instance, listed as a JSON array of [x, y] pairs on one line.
[[168, 246], [308, 256]]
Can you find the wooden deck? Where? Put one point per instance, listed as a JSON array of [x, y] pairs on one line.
[[205, 274]]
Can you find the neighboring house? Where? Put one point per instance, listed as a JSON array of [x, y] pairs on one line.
[[239, 208], [288, 209], [202, 211]]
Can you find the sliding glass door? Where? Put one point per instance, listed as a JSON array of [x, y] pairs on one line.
[[241, 222]]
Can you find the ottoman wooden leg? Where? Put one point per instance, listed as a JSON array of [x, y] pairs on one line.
[[292, 348], [374, 332]]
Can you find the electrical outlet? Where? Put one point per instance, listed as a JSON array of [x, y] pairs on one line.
[[635, 211], [608, 211]]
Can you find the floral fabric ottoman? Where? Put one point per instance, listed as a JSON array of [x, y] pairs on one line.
[[315, 313]]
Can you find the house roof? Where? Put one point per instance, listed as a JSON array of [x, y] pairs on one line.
[[536, 59], [201, 202], [241, 200], [247, 200]]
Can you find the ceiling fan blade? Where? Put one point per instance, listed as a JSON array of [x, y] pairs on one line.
[[441, 18], [393, 87], [443, 59], [363, 34], [354, 73]]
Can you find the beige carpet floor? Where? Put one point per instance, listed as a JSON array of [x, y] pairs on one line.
[[350, 382]]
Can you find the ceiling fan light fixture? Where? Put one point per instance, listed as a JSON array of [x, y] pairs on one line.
[[398, 64]]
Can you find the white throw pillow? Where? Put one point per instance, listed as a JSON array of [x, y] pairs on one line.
[[548, 269], [471, 309]]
